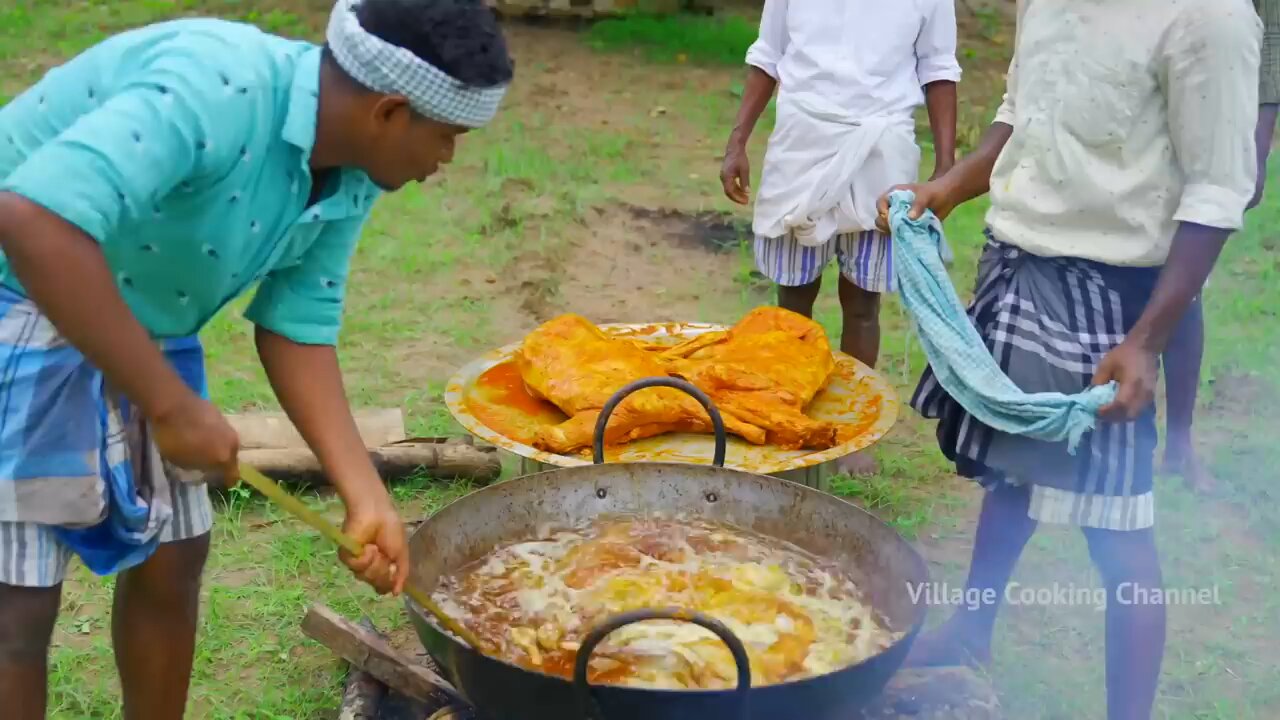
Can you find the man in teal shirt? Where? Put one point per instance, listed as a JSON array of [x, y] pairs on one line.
[[144, 185]]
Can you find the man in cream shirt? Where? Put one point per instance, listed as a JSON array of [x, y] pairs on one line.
[[850, 75], [1182, 358], [1120, 162]]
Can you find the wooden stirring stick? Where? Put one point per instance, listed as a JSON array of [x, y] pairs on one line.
[[279, 496]]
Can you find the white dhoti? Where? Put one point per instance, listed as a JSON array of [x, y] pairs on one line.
[[824, 171]]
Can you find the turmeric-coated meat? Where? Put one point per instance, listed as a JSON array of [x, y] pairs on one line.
[[765, 371], [762, 373], [571, 363]]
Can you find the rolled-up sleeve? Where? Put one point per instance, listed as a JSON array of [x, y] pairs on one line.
[[304, 302], [767, 51], [1007, 112], [936, 45], [1269, 77], [114, 162], [1211, 81]]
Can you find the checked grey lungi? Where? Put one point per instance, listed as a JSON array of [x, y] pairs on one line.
[[1048, 322]]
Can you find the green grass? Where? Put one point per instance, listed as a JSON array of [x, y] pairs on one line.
[[440, 277], [665, 38], [251, 661]]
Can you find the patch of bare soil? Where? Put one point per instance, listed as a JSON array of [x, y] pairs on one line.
[[558, 75], [627, 264], [438, 349], [616, 263], [619, 263], [718, 232], [1241, 395], [404, 638]]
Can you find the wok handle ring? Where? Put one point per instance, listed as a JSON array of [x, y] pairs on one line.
[[581, 688], [717, 422]]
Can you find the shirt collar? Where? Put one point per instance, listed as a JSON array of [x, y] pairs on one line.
[[304, 101], [354, 193]]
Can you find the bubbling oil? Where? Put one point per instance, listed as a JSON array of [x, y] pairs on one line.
[[533, 601]]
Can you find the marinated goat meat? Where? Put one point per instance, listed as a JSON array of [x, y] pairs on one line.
[[574, 365], [765, 371], [762, 373]]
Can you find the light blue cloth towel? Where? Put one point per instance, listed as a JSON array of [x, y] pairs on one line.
[[956, 352]]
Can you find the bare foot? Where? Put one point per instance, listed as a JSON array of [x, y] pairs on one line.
[[951, 643], [859, 464], [1183, 461]]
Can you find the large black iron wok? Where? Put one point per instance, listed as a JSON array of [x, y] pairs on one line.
[[883, 563]]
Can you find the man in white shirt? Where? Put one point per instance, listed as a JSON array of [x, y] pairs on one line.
[[1121, 160], [850, 75]]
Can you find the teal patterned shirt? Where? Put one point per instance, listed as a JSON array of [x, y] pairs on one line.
[[183, 149]]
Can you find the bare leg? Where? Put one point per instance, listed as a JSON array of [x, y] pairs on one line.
[[154, 629], [1003, 531], [1182, 360], [27, 616], [860, 336], [1128, 562], [799, 299]]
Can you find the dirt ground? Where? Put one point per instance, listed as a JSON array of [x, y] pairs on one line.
[[658, 241]]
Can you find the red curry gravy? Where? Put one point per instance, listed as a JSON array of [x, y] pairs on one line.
[[501, 401]]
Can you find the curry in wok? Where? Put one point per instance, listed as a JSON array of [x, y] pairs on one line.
[[533, 601]]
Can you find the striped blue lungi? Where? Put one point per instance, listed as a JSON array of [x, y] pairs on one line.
[[865, 259], [78, 476]]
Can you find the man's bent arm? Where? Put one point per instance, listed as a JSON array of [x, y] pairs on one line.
[[971, 177], [940, 98], [65, 273], [1195, 250], [307, 381]]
